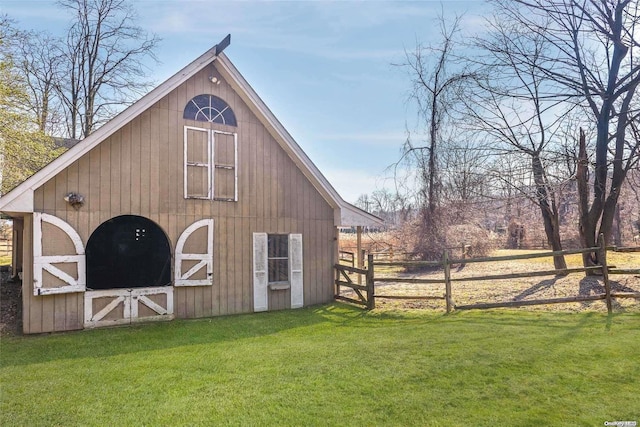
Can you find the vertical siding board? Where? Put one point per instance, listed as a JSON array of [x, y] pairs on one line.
[[125, 170], [135, 165], [174, 167], [223, 265], [174, 99], [246, 264], [59, 312], [253, 148], [84, 178], [72, 185], [160, 181], [38, 199], [238, 264], [50, 196], [288, 191], [114, 170], [283, 183], [217, 261], [27, 276], [245, 173], [154, 158], [61, 205], [230, 263], [324, 284], [263, 208], [94, 187], [145, 163]]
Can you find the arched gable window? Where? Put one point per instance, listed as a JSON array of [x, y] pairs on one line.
[[209, 108]]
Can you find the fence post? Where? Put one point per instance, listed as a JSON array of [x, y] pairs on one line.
[[371, 298], [361, 255], [602, 257], [447, 279], [336, 283]]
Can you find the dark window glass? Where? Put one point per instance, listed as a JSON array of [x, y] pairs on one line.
[[209, 108], [278, 257], [128, 251]]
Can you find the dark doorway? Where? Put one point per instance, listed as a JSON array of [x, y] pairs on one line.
[[128, 251]]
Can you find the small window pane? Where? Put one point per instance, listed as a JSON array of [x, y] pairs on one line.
[[278, 245], [278, 270]]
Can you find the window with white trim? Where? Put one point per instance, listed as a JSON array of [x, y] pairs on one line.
[[209, 108], [278, 258], [210, 164], [277, 266]]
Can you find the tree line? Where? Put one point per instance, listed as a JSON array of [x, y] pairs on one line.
[[66, 87], [544, 99]]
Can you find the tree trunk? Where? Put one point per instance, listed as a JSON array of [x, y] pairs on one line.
[[549, 210], [587, 227], [617, 227]]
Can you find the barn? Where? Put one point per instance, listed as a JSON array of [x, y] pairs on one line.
[[193, 202]]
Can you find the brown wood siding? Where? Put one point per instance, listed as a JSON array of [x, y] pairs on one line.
[[139, 171]]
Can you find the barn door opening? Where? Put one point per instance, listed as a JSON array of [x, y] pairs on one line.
[[128, 273], [128, 251]]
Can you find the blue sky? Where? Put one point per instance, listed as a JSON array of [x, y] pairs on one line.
[[324, 68]]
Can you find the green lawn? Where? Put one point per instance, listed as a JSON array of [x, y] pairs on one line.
[[331, 365]]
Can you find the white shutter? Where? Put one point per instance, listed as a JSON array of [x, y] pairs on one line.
[[260, 273], [295, 270], [47, 262], [204, 260]]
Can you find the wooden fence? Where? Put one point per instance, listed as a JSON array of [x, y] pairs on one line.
[[5, 247], [366, 295], [347, 258]]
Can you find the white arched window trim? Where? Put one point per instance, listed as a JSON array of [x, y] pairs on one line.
[[204, 260]]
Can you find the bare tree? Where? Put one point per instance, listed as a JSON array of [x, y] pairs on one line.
[[509, 106], [104, 53], [40, 66], [590, 58], [435, 87], [464, 177], [23, 148]]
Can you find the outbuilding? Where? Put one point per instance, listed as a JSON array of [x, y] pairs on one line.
[[193, 202]]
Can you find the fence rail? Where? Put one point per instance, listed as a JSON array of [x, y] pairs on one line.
[[6, 247], [367, 296]]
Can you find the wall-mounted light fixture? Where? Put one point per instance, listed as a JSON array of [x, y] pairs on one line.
[[214, 80], [74, 199]]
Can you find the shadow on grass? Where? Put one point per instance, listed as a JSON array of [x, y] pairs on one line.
[[106, 342], [303, 323], [540, 286]]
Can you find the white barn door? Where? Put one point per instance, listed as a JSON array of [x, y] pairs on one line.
[[123, 306]]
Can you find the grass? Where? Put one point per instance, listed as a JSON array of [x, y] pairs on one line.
[[331, 365]]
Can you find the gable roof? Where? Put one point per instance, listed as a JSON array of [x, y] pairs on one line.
[[21, 198]]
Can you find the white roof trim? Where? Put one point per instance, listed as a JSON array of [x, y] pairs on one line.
[[21, 198], [353, 216]]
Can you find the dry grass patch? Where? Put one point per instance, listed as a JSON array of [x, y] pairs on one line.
[[520, 289]]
